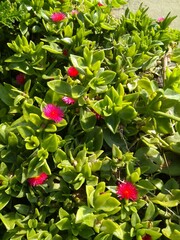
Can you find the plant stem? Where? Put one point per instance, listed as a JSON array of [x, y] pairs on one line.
[[167, 115]]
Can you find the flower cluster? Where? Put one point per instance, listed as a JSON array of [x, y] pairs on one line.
[[65, 52], [58, 16], [68, 100], [72, 72], [100, 4], [38, 180], [53, 112], [20, 79], [74, 12], [160, 19], [126, 190]]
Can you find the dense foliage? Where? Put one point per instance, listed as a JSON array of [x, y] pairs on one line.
[[90, 122]]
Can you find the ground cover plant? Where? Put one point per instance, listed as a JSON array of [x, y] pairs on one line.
[[90, 122]]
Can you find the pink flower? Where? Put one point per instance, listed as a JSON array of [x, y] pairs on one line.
[[126, 190], [72, 72], [74, 12], [146, 237], [57, 17], [100, 4], [65, 52], [53, 112], [34, 181], [160, 19], [68, 100], [98, 116], [20, 78]]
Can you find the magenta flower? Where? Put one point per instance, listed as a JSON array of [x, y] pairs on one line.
[[100, 4], [20, 78], [53, 112], [160, 19], [98, 116], [65, 52], [126, 190], [68, 100], [58, 17], [147, 237], [38, 180], [72, 72]]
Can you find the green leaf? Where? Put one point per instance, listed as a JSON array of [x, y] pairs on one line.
[[111, 138], [5, 96], [116, 95], [102, 79], [113, 122], [88, 56], [77, 61], [85, 215], [53, 48], [35, 119], [94, 139], [3, 169], [146, 84], [127, 113], [22, 209], [25, 131], [107, 76], [87, 120], [66, 40], [149, 158], [86, 232], [171, 94], [50, 142], [165, 200], [108, 226], [60, 87], [131, 50], [172, 78], [172, 229], [150, 212], [68, 30], [4, 199], [169, 185], [59, 156], [98, 56], [107, 26], [23, 67], [146, 184], [104, 106], [116, 152], [64, 224], [12, 139], [175, 235], [105, 202], [77, 91], [163, 125], [135, 219], [8, 220], [31, 142], [103, 236], [63, 213], [152, 62], [50, 128], [90, 194]]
